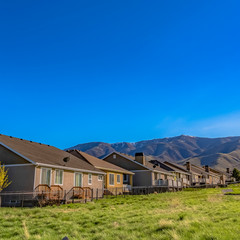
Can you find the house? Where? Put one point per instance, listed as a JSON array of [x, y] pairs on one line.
[[229, 176], [37, 167], [197, 174], [147, 173], [215, 176], [180, 172], [205, 175], [117, 179]]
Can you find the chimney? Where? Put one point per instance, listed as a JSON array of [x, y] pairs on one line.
[[188, 165], [139, 157], [228, 171], [206, 168]]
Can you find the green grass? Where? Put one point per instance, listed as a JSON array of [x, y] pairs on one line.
[[193, 214]]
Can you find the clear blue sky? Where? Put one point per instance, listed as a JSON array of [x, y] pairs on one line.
[[80, 71]]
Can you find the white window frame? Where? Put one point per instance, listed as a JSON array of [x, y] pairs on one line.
[[114, 156], [101, 178], [119, 175], [113, 179], [50, 175], [74, 181], [58, 170], [89, 178]]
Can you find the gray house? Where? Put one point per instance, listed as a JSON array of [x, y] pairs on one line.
[[146, 172]]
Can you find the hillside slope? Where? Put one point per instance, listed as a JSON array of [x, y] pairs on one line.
[[215, 152]]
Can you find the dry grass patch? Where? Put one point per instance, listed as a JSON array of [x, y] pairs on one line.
[[26, 233], [215, 198]]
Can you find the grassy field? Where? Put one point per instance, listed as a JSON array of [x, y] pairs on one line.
[[200, 214]]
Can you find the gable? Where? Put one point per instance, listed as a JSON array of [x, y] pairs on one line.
[[8, 157], [123, 162]]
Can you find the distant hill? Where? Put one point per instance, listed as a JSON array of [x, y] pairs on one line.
[[215, 152]]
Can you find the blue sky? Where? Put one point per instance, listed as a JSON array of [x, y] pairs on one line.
[[80, 71]]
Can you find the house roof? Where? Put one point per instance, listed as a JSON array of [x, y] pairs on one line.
[[215, 171], [177, 168], [157, 167], [45, 155], [201, 170], [148, 165], [99, 163], [197, 170]]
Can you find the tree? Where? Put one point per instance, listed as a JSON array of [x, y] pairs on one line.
[[4, 182], [236, 174]]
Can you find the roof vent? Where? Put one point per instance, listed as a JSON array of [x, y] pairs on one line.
[[66, 159], [10, 136]]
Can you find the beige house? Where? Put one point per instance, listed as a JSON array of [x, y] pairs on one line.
[[36, 167], [179, 171], [117, 179], [205, 175], [146, 172]]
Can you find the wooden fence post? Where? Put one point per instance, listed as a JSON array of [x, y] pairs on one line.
[[73, 197]]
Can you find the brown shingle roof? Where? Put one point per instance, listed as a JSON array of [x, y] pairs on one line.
[[201, 170], [45, 154], [98, 163], [157, 168], [215, 171], [148, 165], [128, 156], [176, 167]]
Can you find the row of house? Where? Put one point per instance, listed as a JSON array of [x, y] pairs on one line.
[[150, 172], [43, 168]]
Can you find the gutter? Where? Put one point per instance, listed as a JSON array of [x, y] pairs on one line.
[[69, 168]]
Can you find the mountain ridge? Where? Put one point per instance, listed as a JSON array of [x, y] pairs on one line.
[[220, 153]]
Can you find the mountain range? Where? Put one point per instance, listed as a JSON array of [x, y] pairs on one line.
[[220, 153]]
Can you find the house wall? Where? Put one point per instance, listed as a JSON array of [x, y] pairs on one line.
[[22, 178], [143, 178], [8, 157], [69, 178], [210, 179], [123, 162], [107, 180]]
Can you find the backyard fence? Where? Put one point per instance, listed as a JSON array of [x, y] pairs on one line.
[[82, 194], [75, 195]]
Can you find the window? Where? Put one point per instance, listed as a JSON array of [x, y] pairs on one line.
[[111, 179], [78, 180], [46, 176], [125, 178], [100, 177], [118, 178], [89, 179], [155, 176], [114, 156], [59, 177]]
